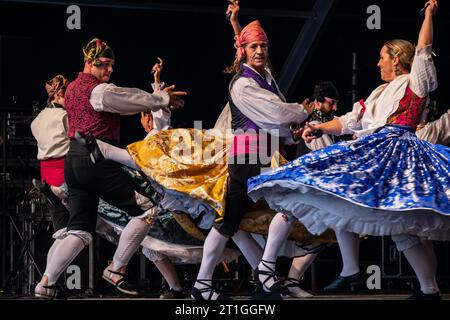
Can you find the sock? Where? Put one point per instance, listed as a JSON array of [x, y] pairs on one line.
[[119, 155], [429, 247], [349, 246], [130, 240], [167, 270], [278, 231], [300, 265], [212, 251], [251, 250], [52, 249], [419, 259], [63, 255]]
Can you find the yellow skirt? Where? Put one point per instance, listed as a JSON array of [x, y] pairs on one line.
[[194, 162]]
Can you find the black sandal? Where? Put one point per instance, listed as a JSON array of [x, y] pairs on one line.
[[196, 293], [270, 274]]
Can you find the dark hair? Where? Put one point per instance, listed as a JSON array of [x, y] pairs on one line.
[[325, 89]]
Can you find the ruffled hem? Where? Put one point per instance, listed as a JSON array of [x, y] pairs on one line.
[[155, 249], [319, 211]]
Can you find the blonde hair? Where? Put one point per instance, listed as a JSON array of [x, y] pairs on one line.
[[403, 50]]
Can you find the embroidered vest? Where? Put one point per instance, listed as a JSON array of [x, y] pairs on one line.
[[82, 116], [247, 137]]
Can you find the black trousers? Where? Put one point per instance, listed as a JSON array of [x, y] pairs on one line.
[[59, 215], [87, 182], [237, 200]]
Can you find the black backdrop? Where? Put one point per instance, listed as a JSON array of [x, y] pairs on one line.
[[197, 46]]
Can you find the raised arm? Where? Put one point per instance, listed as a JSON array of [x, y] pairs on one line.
[[233, 9], [156, 71], [426, 31]]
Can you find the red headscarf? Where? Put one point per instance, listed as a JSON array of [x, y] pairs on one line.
[[252, 32]]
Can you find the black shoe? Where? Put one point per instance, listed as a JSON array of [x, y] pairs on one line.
[[260, 294], [264, 292], [350, 283], [89, 142], [419, 295], [173, 294], [44, 188], [196, 293]]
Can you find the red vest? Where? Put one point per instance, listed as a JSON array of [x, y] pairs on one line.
[[82, 116]]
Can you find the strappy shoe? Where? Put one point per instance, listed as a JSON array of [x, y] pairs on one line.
[[265, 292], [49, 292], [294, 290], [91, 144], [122, 284], [197, 294]]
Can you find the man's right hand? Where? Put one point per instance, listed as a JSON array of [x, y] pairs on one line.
[[309, 106], [175, 101], [233, 9]]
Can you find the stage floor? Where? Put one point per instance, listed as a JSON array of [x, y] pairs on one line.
[[445, 296]]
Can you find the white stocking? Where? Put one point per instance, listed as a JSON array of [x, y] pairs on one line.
[[52, 249], [130, 239], [63, 255], [429, 246], [116, 154], [167, 270], [300, 265], [249, 247], [278, 231], [418, 257], [349, 246], [212, 251]]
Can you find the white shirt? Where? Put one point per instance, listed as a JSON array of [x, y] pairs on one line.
[[161, 118], [161, 121], [437, 131], [266, 109], [385, 99], [111, 98], [49, 129]]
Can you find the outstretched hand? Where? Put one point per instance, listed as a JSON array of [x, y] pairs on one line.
[[175, 101]]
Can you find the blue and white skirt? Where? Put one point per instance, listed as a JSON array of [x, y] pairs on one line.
[[386, 183]]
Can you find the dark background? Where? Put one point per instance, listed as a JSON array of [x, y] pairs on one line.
[[196, 48], [36, 45]]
